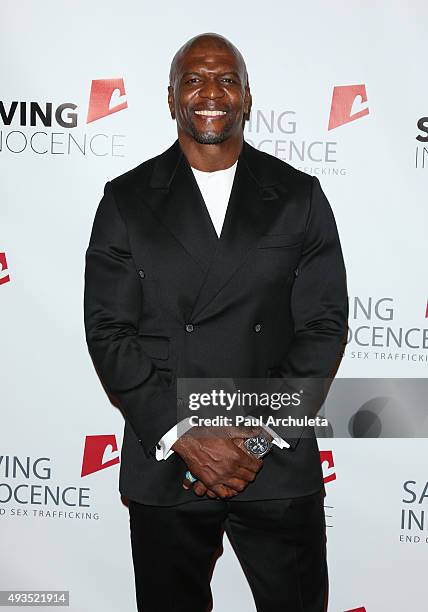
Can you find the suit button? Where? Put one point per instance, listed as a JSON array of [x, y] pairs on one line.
[[141, 273], [257, 327], [189, 327]]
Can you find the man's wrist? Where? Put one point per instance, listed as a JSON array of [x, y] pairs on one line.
[[182, 443], [267, 435], [178, 444]]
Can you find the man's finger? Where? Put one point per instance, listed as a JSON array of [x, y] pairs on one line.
[[236, 484], [199, 488], [223, 491], [245, 474]]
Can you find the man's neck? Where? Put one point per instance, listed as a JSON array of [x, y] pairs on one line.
[[210, 158]]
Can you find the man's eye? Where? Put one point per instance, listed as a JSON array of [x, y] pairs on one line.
[[192, 80], [228, 80]]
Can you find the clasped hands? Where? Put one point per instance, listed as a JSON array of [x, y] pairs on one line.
[[217, 457]]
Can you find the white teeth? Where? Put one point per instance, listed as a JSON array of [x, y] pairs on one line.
[[209, 113]]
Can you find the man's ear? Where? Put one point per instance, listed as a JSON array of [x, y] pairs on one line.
[[171, 101], [247, 104]]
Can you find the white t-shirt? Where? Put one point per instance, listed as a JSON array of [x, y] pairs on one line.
[[215, 188]]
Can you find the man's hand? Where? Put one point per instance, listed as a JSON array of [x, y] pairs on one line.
[[200, 489], [216, 457]]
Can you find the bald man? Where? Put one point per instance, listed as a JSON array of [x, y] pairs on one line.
[[216, 260]]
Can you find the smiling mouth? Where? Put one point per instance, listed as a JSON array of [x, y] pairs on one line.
[[210, 113]]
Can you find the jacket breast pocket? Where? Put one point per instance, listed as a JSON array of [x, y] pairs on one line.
[[274, 241], [155, 346]]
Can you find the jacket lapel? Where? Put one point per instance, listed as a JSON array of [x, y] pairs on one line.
[[253, 207], [179, 205]]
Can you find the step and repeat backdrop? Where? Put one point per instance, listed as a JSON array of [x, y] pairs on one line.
[[339, 91]]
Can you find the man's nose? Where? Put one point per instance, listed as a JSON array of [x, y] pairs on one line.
[[211, 89]]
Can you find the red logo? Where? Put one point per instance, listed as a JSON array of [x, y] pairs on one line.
[[362, 609], [4, 272], [108, 96], [426, 311], [346, 105], [98, 453], [326, 457]]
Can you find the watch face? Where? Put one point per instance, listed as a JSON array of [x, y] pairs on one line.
[[257, 446]]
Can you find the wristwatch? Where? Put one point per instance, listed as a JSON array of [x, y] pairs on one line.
[[258, 446]]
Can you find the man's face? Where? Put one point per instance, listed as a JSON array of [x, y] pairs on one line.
[[209, 95]]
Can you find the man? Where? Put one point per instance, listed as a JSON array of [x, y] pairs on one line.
[[214, 259]]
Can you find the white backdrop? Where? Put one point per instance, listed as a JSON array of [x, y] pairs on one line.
[[372, 168]]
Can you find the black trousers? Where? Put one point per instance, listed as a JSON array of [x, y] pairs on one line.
[[281, 545]]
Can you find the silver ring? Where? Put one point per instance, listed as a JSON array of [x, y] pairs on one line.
[[189, 476]]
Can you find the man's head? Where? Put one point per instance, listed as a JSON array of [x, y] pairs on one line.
[[208, 93]]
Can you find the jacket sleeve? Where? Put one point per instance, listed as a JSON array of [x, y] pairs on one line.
[[112, 306], [319, 306]]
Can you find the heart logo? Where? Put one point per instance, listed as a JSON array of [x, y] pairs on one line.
[[100, 452], [358, 106], [109, 454], [107, 96], [116, 99], [348, 103]]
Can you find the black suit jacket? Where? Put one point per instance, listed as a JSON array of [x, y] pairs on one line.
[[154, 266]]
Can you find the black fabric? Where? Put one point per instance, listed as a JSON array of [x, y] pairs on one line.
[[281, 545], [154, 265]]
